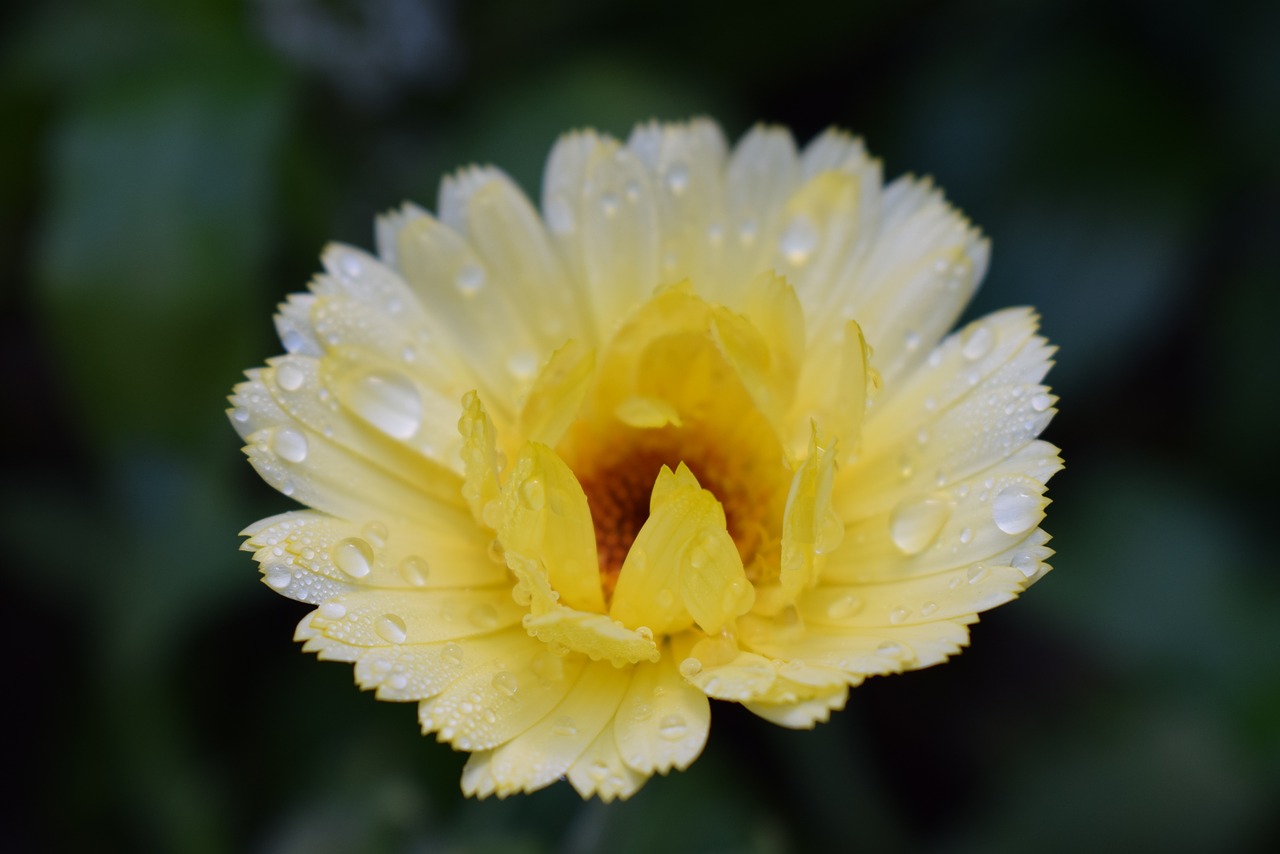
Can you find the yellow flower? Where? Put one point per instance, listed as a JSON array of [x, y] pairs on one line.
[[693, 432]]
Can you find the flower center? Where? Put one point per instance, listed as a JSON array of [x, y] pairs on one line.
[[618, 478]]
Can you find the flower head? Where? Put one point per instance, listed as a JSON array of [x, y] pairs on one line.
[[693, 432]]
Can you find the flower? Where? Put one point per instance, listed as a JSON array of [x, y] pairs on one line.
[[694, 432]]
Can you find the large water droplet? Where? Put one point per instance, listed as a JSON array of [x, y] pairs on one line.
[[290, 377], [1026, 563], [333, 610], [289, 444], [353, 556], [1016, 509], [414, 569], [915, 522], [1040, 402], [673, 728], [293, 341], [799, 240], [506, 682], [978, 343], [391, 628], [388, 401], [278, 577]]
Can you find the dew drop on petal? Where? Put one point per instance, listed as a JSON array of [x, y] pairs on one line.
[[1026, 563], [690, 667], [915, 522], [391, 628], [978, 343], [673, 728], [414, 569], [897, 615], [353, 556], [278, 577], [506, 682], [451, 654], [844, 607], [889, 649], [565, 726], [678, 178], [240, 414], [289, 444], [1040, 402], [290, 377], [389, 401], [523, 365], [799, 240], [484, 616], [1016, 509], [469, 279], [534, 494], [911, 341], [333, 610], [376, 533], [928, 609], [293, 341], [976, 573]]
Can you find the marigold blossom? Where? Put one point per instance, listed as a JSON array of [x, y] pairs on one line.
[[692, 432]]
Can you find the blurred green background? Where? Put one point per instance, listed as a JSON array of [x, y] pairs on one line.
[[170, 170]]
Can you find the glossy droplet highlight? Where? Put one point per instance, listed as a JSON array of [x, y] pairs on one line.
[[799, 240], [391, 628], [844, 607], [353, 556], [978, 343], [1016, 509], [678, 178], [289, 444], [534, 494], [414, 570], [673, 728], [290, 377], [333, 610], [389, 401], [506, 683], [915, 522]]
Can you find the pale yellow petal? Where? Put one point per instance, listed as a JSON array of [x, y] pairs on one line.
[[557, 394], [502, 697], [481, 488], [683, 566], [601, 771], [803, 713], [311, 556], [411, 672], [857, 651], [389, 618], [547, 750], [810, 527], [834, 387], [545, 520], [663, 721], [762, 173]]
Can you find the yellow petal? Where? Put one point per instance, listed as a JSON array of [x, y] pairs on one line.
[[683, 566], [601, 771], [480, 458], [810, 527], [557, 394], [833, 390], [663, 721]]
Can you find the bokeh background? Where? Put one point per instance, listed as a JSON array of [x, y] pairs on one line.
[[170, 170]]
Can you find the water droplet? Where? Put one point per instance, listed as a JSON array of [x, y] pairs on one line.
[[278, 577], [350, 265], [549, 667], [1041, 402], [928, 609], [376, 533], [240, 414], [889, 649], [534, 494], [678, 178], [673, 728], [897, 615], [333, 610], [799, 240], [1016, 509], [633, 191], [290, 377], [398, 682], [523, 365], [414, 569], [966, 536], [559, 215], [609, 204], [645, 632], [564, 726], [844, 607], [1026, 563], [978, 343], [388, 401], [353, 556], [484, 616], [976, 573], [915, 522], [912, 341], [289, 444], [690, 667], [506, 682], [391, 628], [293, 341], [747, 232], [451, 654], [469, 279]]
